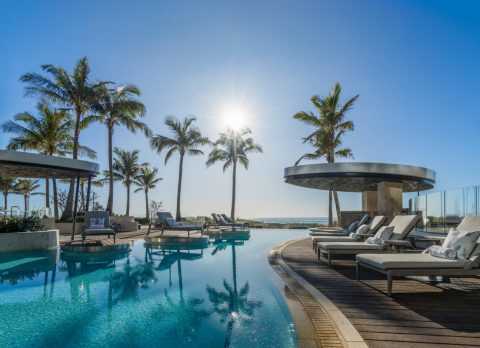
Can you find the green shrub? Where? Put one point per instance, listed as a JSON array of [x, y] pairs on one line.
[[20, 224]]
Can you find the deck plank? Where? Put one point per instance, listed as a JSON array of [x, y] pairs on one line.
[[419, 315]]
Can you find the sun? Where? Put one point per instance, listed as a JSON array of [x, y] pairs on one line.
[[234, 118]]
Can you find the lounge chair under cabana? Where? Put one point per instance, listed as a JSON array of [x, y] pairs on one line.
[[424, 264], [375, 224], [402, 225], [337, 232], [97, 223], [167, 222]]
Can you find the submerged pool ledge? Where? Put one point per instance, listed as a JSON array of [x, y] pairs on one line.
[[318, 321]]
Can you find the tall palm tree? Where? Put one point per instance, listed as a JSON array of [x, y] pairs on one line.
[[146, 180], [330, 126], [50, 133], [26, 188], [125, 169], [118, 106], [8, 185], [74, 91], [185, 140], [230, 148]]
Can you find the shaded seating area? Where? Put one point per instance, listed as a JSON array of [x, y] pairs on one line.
[[399, 227], [98, 223], [426, 264], [360, 233]]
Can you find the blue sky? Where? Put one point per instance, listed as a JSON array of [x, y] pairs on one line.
[[415, 65]]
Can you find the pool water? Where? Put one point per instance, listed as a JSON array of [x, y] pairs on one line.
[[223, 294]]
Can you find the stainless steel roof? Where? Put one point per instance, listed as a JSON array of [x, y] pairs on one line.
[[359, 176], [33, 165]]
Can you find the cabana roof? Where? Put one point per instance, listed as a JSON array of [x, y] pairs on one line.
[[33, 165]]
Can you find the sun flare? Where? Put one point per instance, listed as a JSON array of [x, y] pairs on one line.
[[234, 119]]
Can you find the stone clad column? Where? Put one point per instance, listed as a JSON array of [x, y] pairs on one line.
[[389, 196], [369, 201]]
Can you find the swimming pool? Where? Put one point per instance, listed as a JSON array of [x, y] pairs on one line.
[[223, 294]]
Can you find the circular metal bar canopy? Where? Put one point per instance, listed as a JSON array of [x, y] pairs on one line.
[[359, 176], [32, 165]]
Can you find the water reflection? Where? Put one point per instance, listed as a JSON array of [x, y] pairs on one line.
[[231, 304]]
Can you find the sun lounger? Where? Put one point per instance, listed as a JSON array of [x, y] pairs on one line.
[[337, 232], [221, 220], [402, 225], [167, 222], [97, 223], [375, 224], [424, 264]]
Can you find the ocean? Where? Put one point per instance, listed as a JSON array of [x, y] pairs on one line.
[[294, 220]]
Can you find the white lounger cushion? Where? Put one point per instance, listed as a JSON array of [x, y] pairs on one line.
[[348, 246], [414, 261], [333, 239], [402, 224]]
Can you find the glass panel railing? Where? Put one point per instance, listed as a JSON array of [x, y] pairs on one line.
[[435, 212], [454, 207]]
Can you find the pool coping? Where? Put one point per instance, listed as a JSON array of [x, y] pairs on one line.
[[346, 332]]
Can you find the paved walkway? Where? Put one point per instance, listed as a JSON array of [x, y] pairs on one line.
[[418, 315]]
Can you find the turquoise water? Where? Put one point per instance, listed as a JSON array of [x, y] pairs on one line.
[[223, 294]]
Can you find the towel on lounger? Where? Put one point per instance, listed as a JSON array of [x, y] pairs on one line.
[[444, 253]]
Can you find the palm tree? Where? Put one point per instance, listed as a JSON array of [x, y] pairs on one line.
[[125, 169], [146, 180], [185, 140], [118, 106], [74, 91], [230, 148], [8, 185], [26, 188], [51, 133], [331, 125]]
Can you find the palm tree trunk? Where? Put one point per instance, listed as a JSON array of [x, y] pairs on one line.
[[5, 201], [179, 190], [55, 199], [234, 184], [337, 208], [47, 193], [68, 212], [330, 214], [127, 213], [25, 204], [147, 212], [110, 170]]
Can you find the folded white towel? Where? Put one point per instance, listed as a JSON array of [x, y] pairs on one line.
[[374, 240], [353, 235], [444, 253]]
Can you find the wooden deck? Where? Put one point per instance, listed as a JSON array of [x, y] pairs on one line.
[[124, 237], [419, 314]]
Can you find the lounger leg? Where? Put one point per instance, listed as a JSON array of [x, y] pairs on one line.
[[329, 259], [318, 254], [114, 238], [389, 284], [357, 266]]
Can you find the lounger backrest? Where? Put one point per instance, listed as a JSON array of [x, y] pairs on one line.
[[377, 222], [470, 223], [402, 225], [215, 218], [364, 220], [165, 217], [96, 215], [227, 219]]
